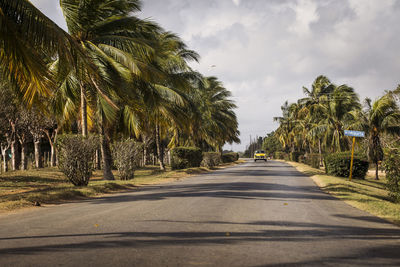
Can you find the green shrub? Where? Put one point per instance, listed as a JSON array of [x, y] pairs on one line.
[[338, 164], [294, 156], [230, 157], [211, 159], [75, 157], [313, 159], [185, 157], [126, 155], [279, 155], [391, 166]]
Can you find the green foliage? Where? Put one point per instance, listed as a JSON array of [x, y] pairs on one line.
[[280, 155], [391, 166], [75, 157], [313, 159], [294, 156], [211, 159], [338, 164], [230, 157], [126, 156], [271, 144], [186, 157]]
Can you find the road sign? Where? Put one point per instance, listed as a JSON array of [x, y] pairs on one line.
[[354, 133]]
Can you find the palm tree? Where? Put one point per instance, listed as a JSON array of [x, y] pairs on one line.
[[28, 41], [312, 111], [339, 112], [285, 127], [213, 121], [118, 46], [383, 116]]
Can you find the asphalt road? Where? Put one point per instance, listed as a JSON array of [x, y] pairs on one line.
[[254, 214]]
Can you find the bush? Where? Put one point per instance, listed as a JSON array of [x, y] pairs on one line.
[[230, 157], [313, 159], [126, 155], [294, 156], [279, 155], [211, 159], [185, 157], [391, 166], [302, 159], [338, 164], [75, 157]]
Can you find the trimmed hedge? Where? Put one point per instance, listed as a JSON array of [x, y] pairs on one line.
[[126, 155], [338, 164], [211, 159], [185, 157], [294, 156], [313, 160], [391, 166], [230, 157]]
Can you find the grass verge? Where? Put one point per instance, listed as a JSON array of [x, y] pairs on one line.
[[369, 195], [21, 189]]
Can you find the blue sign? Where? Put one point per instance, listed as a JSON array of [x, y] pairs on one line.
[[354, 133]]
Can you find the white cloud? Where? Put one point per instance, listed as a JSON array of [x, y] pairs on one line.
[[236, 2], [306, 13]]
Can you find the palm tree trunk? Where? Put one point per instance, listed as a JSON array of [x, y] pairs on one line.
[[320, 152], [4, 154], [376, 170], [24, 158], [83, 112], [159, 150], [106, 156], [14, 154], [38, 161]]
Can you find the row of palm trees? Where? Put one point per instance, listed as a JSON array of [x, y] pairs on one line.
[[117, 75], [316, 123]]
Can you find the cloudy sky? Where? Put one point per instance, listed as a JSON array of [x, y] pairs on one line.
[[265, 51]]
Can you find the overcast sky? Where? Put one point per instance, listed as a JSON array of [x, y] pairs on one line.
[[265, 51]]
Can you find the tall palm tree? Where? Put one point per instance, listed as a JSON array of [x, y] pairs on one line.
[[312, 104], [338, 114], [28, 41], [383, 116], [118, 46]]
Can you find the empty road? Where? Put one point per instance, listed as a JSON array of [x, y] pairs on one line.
[[254, 214]]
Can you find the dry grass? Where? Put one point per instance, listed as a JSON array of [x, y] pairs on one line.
[[369, 195], [21, 189]]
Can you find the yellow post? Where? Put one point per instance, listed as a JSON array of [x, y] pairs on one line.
[[352, 157]]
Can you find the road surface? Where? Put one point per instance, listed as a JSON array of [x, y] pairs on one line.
[[254, 214]]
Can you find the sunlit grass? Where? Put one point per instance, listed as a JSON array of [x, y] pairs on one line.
[[369, 195]]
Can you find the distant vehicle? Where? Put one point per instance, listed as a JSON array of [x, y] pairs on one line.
[[260, 155]]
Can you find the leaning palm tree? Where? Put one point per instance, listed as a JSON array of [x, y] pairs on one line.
[[119, 47], [383, 116], [218, 123], [28, 41]]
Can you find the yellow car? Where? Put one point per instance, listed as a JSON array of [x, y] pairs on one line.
[[260, 155]]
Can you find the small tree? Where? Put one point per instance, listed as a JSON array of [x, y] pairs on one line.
[[75, 157], [127, 155], [383, 116]]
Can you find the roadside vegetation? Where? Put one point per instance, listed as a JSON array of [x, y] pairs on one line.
[[311, 137], [114, 92]]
